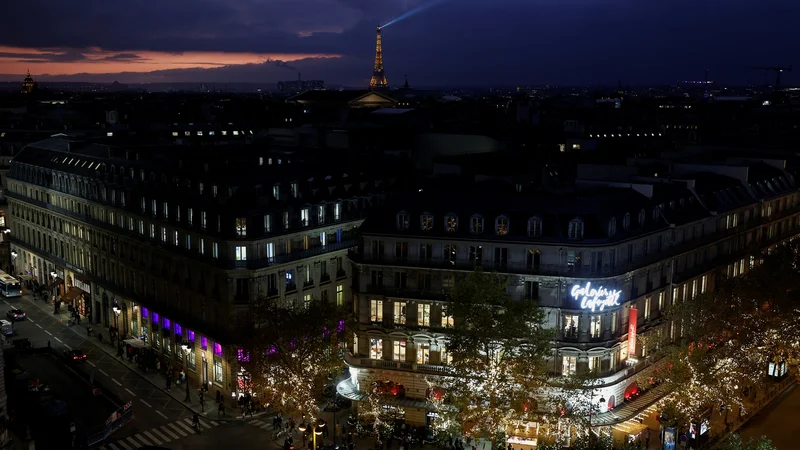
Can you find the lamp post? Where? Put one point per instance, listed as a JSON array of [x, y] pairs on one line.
[[317, 430], [13, 258], [116, 320], [185, 348]]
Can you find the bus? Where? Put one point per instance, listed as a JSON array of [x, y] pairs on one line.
[[9, 286]]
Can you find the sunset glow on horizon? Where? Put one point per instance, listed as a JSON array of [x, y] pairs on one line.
[[98, 61]]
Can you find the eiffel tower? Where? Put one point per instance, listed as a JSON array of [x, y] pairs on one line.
[[378, 81]]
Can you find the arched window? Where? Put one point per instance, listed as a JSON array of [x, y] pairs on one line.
[[575, 230], [402, 220], [501, 225], [141, 174], [426, 221], [612, 227], [476, 224], [626, 221], [451, 223], [534, 227], [641, 217]]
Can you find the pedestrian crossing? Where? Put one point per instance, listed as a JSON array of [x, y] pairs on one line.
[[260, 424], [159, 435]]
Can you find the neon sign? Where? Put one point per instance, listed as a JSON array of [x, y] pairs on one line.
[[595, 298]]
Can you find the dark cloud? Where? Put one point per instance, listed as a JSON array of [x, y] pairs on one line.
[[47, 57], [122, 57], [457, 42]]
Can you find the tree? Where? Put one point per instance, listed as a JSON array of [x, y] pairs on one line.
[[732, 333], [498, 348], [735, 442], [292, 354]]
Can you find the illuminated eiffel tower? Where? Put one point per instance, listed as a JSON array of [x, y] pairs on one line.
[[378, 81]]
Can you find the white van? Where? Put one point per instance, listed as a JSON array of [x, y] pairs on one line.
[[6, 326]]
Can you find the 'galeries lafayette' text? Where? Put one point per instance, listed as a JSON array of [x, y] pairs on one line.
[[595, 298]]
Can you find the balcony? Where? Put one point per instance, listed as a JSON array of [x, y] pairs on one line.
[[356, 361], [418, 294]]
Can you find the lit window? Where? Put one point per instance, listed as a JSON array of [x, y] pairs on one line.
[[400, 313], [501, 226], [241, 226], [376, 310], [447, 320], [399, 353], [424, 315], [426, 222], [451, 223], [376, 348]]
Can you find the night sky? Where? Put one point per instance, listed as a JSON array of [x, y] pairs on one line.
[[453, 43]]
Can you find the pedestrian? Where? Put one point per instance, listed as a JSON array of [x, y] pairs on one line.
[[202, 402], [169, 382], [219, 396], [196, 423], [220, 409]]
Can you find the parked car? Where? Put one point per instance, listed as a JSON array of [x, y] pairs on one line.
[[75, 355], [16, 314], [7, 327]]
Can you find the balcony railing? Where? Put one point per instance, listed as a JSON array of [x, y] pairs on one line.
[[421, 294], [355, 361]]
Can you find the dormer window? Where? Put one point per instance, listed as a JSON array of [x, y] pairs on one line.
[[426, 222], [575, 229], [501, 225], [293, 187], [402, 220], [476, 224], [612, 227], [626, 221], [534, 227], [641, 218], [451, 223], [656, 212], [276, 191]]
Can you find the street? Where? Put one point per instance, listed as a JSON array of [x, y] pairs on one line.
[[152, 407], [777, 421]]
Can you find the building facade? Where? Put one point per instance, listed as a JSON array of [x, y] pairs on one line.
[[171, 245], [603, 259]]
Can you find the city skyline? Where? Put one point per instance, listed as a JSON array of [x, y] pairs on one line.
[[471, 42]]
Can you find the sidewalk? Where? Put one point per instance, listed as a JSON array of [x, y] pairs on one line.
[[178, 391]]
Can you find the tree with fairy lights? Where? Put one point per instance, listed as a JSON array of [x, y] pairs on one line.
[[293, 355], [727, 337], [498, 349]]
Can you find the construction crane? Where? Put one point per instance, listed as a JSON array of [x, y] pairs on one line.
[[778, 71]]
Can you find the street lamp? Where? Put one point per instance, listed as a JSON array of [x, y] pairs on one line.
[[317, 430], [185, 348], [116, 310]]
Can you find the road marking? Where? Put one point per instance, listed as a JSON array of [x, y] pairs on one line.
[[59, 340], [167, 431], [65, 345], [48, 332], [213, 423], [152, 438], [30, 320], [118, 383], [130, 392], [143, 439], [133, 442], [161, 414], [148, 404], [39, 326], [123, 445], [91, 363], [102, 371], [178, 429], [187, 427], [6, 302], [160, 435]]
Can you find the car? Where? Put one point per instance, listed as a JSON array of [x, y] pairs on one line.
[[16, 314], [75, 355]]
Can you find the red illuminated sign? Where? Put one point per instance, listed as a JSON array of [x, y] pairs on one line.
[[632, 332]]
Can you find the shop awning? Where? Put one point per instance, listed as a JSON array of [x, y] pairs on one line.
[[135, 343], [72, 294], [26, 276]]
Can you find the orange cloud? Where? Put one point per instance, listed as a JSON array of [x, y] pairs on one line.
[[96, 61]]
